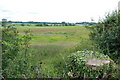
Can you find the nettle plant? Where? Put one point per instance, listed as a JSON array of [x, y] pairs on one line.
[[89, 64]]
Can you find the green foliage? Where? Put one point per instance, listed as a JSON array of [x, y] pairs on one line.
[[39, 24], [22, 24], [106, 34], [15, 53], [77, 65]]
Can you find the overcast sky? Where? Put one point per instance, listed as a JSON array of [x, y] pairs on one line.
[[56, 10]]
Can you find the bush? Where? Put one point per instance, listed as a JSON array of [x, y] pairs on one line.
[[89, 64], [39, 24], [106, 34], [15, 53]]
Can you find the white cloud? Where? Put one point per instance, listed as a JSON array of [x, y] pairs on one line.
[[55, 10]]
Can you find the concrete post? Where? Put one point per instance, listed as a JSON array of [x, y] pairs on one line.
[[119, 6]]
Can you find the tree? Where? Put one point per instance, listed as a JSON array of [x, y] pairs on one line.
[[15, 53], [106, 34]]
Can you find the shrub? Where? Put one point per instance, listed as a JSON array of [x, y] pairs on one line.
[[106, 34], [15, 53], [39, 24], [89, 64]]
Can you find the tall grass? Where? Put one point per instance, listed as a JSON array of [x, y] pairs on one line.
[[50, 47]]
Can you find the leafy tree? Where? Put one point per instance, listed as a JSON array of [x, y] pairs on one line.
[[39, 24], [15, 53], [23, 24], [106, 34]]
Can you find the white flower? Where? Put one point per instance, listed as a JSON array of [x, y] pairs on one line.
[[70, 74]]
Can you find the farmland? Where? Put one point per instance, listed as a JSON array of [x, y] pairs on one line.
[[36, 48], [51, 45]]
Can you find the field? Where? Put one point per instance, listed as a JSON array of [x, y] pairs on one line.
[[51, 45], [61, 50]]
